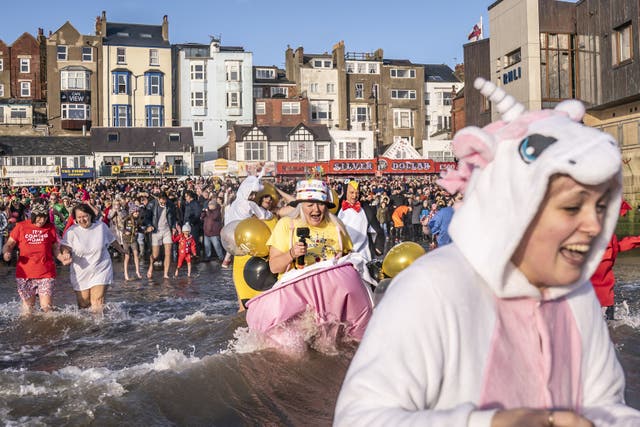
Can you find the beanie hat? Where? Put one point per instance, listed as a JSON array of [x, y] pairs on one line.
[[186, 227]]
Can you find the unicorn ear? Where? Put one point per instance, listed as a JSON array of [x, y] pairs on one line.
[[505, 103], [575, 109]]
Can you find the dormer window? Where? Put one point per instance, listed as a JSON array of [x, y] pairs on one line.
[[145, 35], [265, 73], [122, 34], [112, 137], [174, 137]]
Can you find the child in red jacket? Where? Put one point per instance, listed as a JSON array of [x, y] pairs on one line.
[[603, 279], [186, 248]]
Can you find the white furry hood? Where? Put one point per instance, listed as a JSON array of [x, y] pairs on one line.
[[504, 171]]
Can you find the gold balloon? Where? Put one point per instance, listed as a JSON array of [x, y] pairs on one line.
[[269, 189], [251, 236], [335, 199], [400, 257]]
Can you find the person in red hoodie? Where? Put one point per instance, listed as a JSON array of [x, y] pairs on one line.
[[186, 248], [603, 279]]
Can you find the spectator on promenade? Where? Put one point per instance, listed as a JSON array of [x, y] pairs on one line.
[[398, 217]]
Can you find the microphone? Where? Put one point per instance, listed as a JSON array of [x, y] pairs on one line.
[[302, 233]]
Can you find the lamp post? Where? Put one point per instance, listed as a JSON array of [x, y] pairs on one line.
[[154, 157]]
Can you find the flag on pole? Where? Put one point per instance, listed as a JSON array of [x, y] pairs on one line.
[[476, 33]]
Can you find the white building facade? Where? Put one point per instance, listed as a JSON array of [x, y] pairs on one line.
[[215, 86], [319, 79], [440, 87]]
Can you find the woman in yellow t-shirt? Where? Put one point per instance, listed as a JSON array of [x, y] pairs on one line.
[[309, 231]]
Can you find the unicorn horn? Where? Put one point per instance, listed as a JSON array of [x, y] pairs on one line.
[[505, 103]]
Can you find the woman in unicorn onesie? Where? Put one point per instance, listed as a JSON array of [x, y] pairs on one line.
[[502, 326]]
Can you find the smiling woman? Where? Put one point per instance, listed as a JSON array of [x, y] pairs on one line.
[[502, 327], [310, 233], [91, 270]]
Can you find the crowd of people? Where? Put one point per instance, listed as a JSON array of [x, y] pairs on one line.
[[163, 221]]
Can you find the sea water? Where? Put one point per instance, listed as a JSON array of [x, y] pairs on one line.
[[176, 352]]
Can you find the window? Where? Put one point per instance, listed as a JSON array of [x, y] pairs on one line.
[[198, 128], [446, 98], [265, 73], [254, 150], [361, 67], [120, 82], [359, 114], [75, 80], [154, 57], [321, 63], [621, 45], [113, 137], [1, 64], [427, 98], [321, 110], [403, 94], [402, 119], [233, 100], [301, 151], [75, 111], [87, 54], [199, 99], [153, 84], [313, 87], [290, 108], [444, 122], [398, 73], [18, 113], [280, 153], [359, 90], [154, 115], [331, 88], [197, 71], [348, 150], [321, 152], [258, 92], [1, 114], [1, 90], [121, 57], [25, 65], [557, 76], [62, 52], [280, 91], [232, 71], [260, 109], [174, 137], [121, 115], [512, 58], [25, 89]]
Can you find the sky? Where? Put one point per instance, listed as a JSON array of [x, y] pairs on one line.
[[422, 31]]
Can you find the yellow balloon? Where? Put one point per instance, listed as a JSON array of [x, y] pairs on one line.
[[335, 199], [251, 236], [269, 189], [400, 257]]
